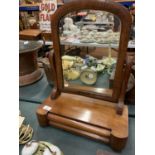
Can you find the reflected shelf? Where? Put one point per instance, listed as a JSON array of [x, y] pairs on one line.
[[131, 44]]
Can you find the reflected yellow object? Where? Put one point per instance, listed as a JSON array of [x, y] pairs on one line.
[[71, 74], [69, 61], [67, 64]]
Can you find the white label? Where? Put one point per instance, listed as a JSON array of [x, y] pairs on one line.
[[46, 107], [90, 76], [66, 84], [26, 42]]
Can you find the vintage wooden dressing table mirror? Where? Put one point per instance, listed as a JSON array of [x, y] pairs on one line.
[[82, 100]]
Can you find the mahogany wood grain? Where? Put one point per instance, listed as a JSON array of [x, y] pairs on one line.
[[127, 71], [80, 132], [85, 114], [55, 92], [79, 125], [42, 116], [101, 93]]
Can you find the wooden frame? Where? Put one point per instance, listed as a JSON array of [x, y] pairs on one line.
[[125, 18], [87, 112]]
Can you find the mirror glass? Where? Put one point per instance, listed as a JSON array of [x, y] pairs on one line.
[[89, 48]]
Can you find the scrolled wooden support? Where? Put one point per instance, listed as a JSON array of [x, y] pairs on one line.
[[55, 92], [127, 71]]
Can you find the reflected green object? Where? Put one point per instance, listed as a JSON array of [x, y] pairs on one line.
[[98, 68]]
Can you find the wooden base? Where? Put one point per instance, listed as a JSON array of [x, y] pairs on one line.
[[30, 78], [86, 116]]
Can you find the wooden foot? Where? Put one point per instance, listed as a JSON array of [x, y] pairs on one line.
[[42, 116]]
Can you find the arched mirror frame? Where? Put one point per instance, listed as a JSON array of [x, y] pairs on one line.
[[125, 18]]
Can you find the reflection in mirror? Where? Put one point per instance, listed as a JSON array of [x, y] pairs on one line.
[[89, 44]]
